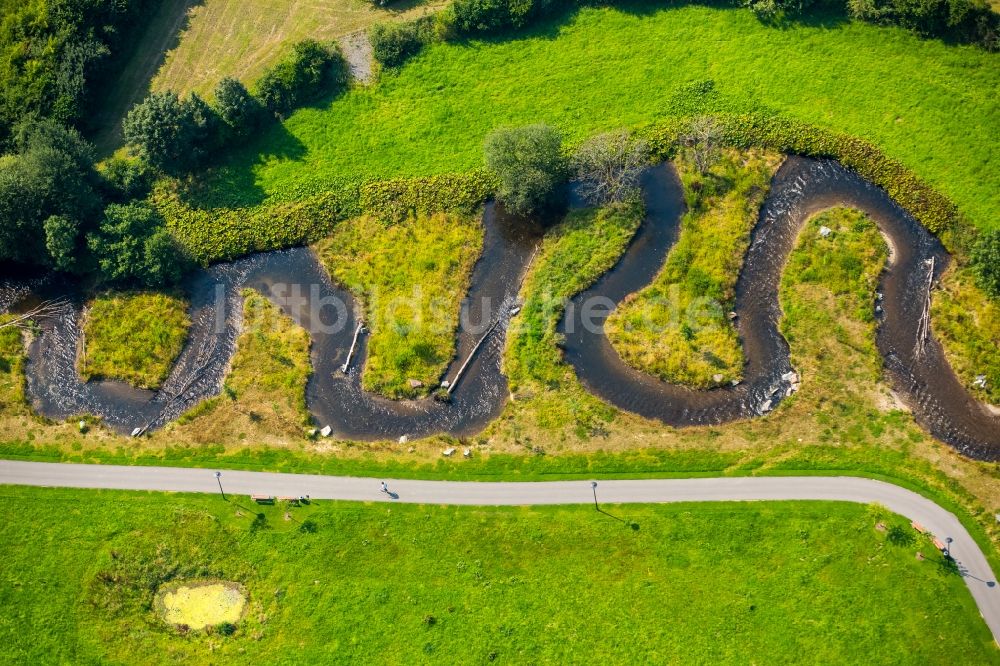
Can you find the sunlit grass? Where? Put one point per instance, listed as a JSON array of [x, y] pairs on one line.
[[410, 278], [928, 104], [686, 583], [134, 338]]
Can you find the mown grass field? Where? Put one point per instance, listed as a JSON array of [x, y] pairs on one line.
[[406, 584], [677, 328], [241, 39], [410, 278], [134, 338], [928, 104]]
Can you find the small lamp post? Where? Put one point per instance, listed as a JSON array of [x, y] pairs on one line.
[[218, 477], [947, 550], [593, 486]]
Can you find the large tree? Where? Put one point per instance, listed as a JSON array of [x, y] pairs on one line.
[[169, 133], [132, 247], [529, 163], [237, 108], [49, 173]]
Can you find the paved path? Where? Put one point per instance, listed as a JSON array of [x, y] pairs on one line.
[[978, 575]]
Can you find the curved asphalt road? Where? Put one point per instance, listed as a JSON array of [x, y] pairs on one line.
[[972, 563]]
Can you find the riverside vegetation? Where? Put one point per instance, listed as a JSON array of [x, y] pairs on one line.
[[478, 584], [410, 279], [677, 328], [134, 338]]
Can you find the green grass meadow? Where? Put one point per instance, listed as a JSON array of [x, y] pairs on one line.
[[701, 583], [930, 105]]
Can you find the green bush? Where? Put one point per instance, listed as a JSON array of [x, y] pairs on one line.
[[970, 21], [986, 262], [394, 43], [125, 178], [227, 233], [237, 108], [171, 134], [133, 247], [529, 165], [310, 70]]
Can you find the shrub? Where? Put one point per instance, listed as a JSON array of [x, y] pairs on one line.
[[125, 178], [986, 262], [237, 108], [394, 43], [529, 165], [702, 143], [608, 166], [168, 133], [132, 246], [227, 233], [310, 70], [61, 234], [965, 20]]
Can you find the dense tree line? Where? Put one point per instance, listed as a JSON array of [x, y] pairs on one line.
[[967, 21], [176, 135], [57, 210], [54, 52]]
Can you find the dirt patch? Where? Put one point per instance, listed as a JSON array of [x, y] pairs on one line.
[[201, 604], [358, 51]]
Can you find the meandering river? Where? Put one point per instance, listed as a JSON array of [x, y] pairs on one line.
[[295, 281]]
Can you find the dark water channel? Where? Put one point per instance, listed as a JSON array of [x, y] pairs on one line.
[[296, 282]]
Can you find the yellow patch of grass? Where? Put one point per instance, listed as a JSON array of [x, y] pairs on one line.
[[134, 338], [202, 605]]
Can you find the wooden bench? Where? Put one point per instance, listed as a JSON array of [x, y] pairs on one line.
[[262, 499]]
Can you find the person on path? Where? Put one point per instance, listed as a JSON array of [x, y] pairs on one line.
[[385, 488]]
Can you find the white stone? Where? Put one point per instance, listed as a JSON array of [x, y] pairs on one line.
[[717, 378], [766, 407], [467, 453], [792, 377], [326, 431], [415, 383], [825, 231], [137, 432], [404, 439], [448, 452]]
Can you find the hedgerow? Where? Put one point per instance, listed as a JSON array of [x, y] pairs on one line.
[[931, 208], [220, 234]]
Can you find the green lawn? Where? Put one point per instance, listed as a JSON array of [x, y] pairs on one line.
[[134, 338], [930, 105], [702, 583]]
